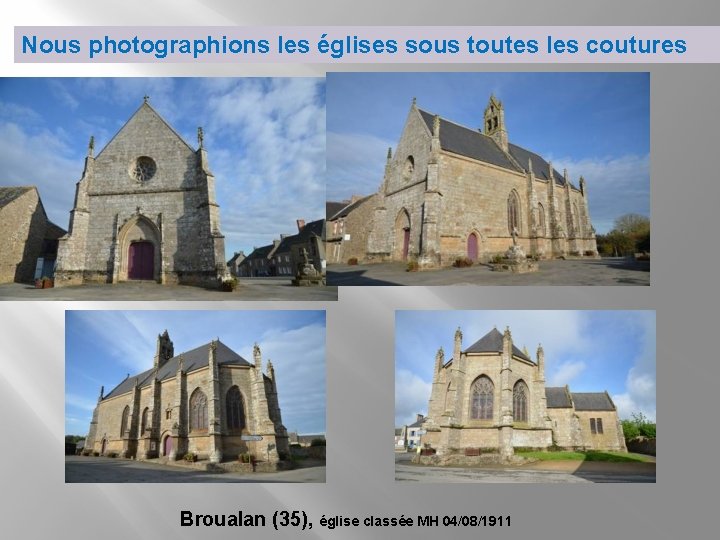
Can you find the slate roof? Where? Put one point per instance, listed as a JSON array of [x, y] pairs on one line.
[[333, 207], [493, 342], [558, 397], [345, 210], [418, 423], [592, 401], [9, 194], [192, 360], [474, 144], [314, 228], [259, 253]]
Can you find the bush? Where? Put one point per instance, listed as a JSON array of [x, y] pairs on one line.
[[589, 253], [246, 458], [112, 454], [191, 457], [462, 262], [638, 425], [228, 284], [352, 261], [412, 266], [497, 259], [318, 442], [96, 454]]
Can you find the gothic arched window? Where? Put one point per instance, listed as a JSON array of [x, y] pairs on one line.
[[513, 205], [541, 220], [198, 411], [124, 422], [482, 399], [235, 409], [144, 423], [520, 402]]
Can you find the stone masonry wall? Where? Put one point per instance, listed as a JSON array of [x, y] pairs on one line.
[[22, 229]]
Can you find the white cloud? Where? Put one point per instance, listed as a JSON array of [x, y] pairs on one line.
[[640, 384], [79, 402], [411, 396], [565, 372], [355, 164], [606, 178], [42, 159]]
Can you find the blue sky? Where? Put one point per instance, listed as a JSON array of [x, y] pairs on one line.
[[591, 351], [103, 347], [594, 124], [265, 140]]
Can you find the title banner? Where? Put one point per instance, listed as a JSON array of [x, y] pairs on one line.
[[368, 44]]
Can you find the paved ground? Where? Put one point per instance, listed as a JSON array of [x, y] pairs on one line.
[[607, 271], [542, 472], [86, 469], [248, 289]]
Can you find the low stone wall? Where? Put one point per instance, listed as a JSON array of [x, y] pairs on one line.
[[460, 460], [313, 452], [642, 445]]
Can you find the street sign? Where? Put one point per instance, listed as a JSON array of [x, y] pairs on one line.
[[251, 438]]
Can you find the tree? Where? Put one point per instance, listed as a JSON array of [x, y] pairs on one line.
[[638, 425], [631, 233]]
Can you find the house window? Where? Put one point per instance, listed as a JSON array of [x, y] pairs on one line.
[[596, 427], [198, 411], [235, 409], [520, 402], [124, 421], [482, 399]]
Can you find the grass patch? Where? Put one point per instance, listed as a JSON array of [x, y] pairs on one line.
[[590, 455]]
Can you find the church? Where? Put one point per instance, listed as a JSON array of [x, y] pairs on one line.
[[492, 396], [452, 192], [208, 401], [144, 209]]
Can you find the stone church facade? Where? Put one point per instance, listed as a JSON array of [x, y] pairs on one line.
[[205, 401], [144, 209], [451, 192], [492, 396]]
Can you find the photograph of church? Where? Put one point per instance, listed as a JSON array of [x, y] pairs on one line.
[[190, 395], [145, 209], [488, 393], [140, 170], [468, 173]]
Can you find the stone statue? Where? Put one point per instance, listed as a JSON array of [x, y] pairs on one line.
[[514, 235]]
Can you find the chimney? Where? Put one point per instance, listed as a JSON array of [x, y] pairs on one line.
[[300, 224], [419, 418]]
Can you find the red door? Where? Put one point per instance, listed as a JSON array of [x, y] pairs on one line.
[[472, 247], [167, 446], [141, 260], [406, 243]]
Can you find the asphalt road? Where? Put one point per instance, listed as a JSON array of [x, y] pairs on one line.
[[556, 473], [606, 271], [86, 469], [248, 289]]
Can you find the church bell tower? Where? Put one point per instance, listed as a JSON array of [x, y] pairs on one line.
[[494, 122]]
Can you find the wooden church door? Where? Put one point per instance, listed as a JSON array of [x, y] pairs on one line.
[[141, 260], [167, 446], [472, 247], [406, 244]]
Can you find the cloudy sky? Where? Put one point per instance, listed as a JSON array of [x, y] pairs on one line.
[[265, 140], [591, 351], [594, 124], [103, 347]]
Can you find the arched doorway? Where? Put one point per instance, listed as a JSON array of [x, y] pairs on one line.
[[139, 250], [472, 247], [141, 260], [167, 446], [402, 235]]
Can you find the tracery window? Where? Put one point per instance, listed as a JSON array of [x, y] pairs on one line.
[[482, 399], [235, 409], [143, 169], [144, 423], [198, 411], [520, 402], [541, 220], [124, 421], [513, 205]]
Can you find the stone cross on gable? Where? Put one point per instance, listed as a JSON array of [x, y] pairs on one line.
[[146, 98]]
